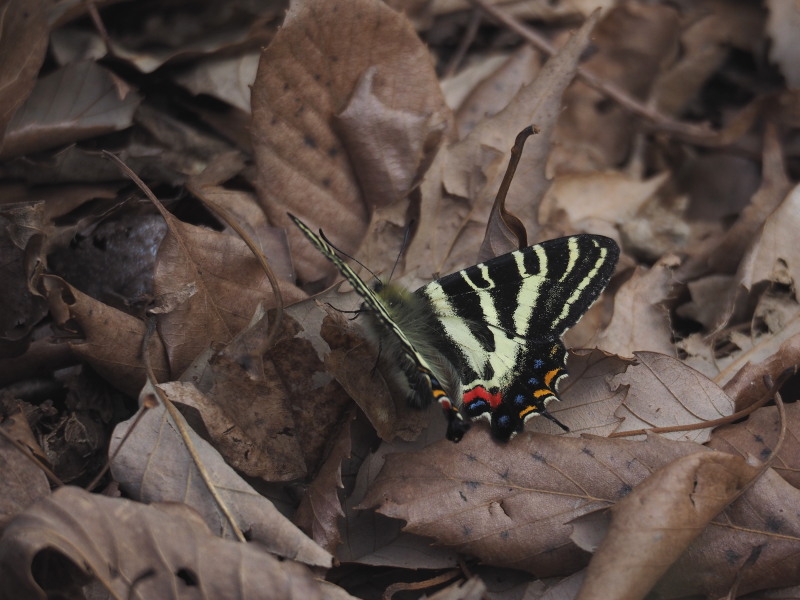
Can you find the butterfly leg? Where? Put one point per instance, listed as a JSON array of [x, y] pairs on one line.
[[457, 425]]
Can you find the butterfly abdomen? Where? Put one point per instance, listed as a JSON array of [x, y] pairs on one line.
[[413, 315]]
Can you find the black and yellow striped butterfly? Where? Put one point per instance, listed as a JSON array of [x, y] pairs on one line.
[[485, 342]]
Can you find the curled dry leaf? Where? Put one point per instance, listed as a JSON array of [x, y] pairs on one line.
[[774, 256], [757, 437], [123, 548], [96, 107], [747, 381], [110, 340], [320, 508], [154, 465], [653, 525], [510, 505], [359, 58], [664, 392]]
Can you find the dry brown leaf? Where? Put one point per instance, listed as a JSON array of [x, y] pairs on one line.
[[243, 404], [497, 88], [746, 379], [600, 200], [320, 508], [372, 539], [773, 255], [323, 55], [23, 481], [123, 548], [641, 321], [653, 525], [227, 78], [510, 504], [476, 164], [757, 437], [111, 340], [751, 545], [95, 107], [665, 392], [154, 465], [23, 45], [513, 505], [22, 254], [634, 43], [254, 436], [588, 403], [211, 284]]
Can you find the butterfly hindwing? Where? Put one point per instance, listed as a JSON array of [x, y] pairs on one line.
[[505, 318]]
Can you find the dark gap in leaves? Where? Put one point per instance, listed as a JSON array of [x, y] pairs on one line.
[[54, 572], [188, 576]]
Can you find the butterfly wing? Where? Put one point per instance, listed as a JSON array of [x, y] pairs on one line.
[[504, 319]]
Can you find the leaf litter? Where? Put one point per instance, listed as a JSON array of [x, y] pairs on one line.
[[666, 126]]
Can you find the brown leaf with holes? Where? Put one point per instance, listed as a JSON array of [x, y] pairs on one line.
[[152, 550], [342, 83], [510, 504]]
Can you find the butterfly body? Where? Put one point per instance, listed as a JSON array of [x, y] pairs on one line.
[[485, 341]]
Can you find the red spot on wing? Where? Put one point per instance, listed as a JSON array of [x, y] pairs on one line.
[[481, 393]]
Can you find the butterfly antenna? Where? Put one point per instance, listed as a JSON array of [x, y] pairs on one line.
[[345, 254], [403, 248], [544, 412]]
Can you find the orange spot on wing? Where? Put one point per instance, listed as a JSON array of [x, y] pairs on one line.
[[548, 378]]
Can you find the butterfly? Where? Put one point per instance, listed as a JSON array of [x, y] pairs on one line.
[[485, 342]]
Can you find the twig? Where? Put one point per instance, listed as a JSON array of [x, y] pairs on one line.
[[659, 121]]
